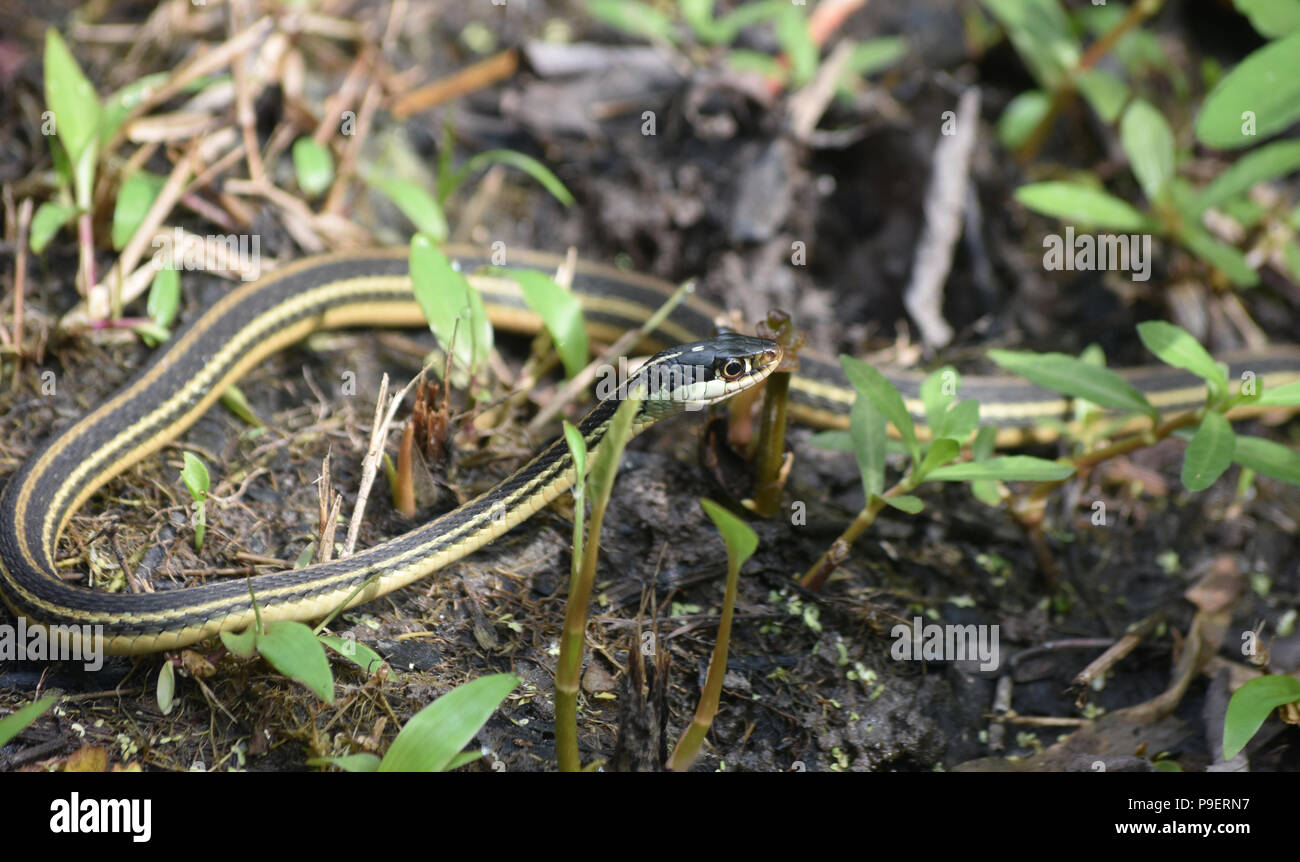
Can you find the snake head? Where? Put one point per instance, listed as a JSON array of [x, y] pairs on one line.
[[696, 375]]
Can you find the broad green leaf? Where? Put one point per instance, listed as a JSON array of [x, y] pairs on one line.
[[292, 649], [1232, 262], [166, 691], [961, 420], [1250, 707], [941, 451], [354, 651], [870, 382], [134, 199], [69, 94], [1257, 98], [164, 297], [1209, 453], [195, 476], [242, 644], [1287, 395], [313, 165], [1007, 468], [905, 503], [561, 311], [739, 537], [1022, 116], [465, 757], [47, 221], [510, 158], [415, 203], [633, 17], [938, 391], [1269, 458], [1175, 346], [12, 725], [1272, 18], [349, 762], [1076, 378], [867, 435], [1104, 92], [450, 304], [436, 735], [1268, 162], [1149, 143], [1084, 205]]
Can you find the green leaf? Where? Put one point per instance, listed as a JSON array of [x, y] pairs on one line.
[[450, 304], [69, 94], [1269, 458], [164, 297], [905, 503], [797, 42], [1272, 18], [436, 735], [12, 725], [834, 440], [1022, 116], [938, 391], [354, 651], [292, 649], [195, 476], [134, 199], [754, 61], [1149, 142], [578, 446], [961, 420], [1209, 453], [527, 164], [1104, 92], [941, 451], [1257, 98], [875, 55], [349, 762], [465, 757], [234, 400], [871, 383], [1083, 205], [604, 466], [166, 692], [1232, 262], [1175, 346], [1076, 378], [867, 435], [1250, 706], [1260, 165], [739, 537], [313, 165], [242, 644], [1006, 468], [49, 218], [632, 17], [1286, 395], [415, 203], [985, 442], [561, 311], [1042, 36]]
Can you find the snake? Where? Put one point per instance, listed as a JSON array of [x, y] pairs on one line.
[[695, 366]]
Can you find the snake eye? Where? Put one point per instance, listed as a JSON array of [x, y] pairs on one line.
[[733, 369]]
